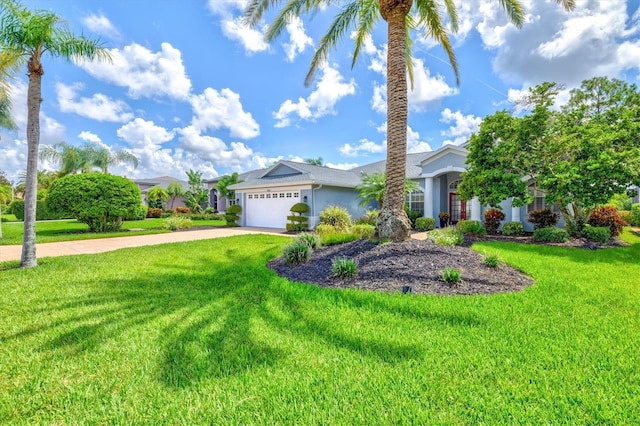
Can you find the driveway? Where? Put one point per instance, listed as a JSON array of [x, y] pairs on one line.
[[101, 245]]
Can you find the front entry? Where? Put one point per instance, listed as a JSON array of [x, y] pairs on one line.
[[457, 208]]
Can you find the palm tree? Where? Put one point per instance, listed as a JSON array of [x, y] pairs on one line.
[[401, 17], [175, 190], [224, 183], [6, 121], [314, 161], [8, 68], [372, 188], [156, 197], [102, 157], [70, 159], [25, 36]]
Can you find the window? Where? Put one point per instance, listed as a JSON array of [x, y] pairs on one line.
[[250, 196], [288, 195], [296, 195], [268, 195], [415, 201], [453, 186], [538, 202], [282, 195], [261, 195]]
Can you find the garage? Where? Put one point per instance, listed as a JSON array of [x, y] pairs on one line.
[[270, 209]]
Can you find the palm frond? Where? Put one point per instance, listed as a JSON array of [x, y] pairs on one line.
[[514, 11], [367, 17]]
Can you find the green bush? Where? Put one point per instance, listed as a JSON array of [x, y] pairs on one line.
[[154, 213], [43, 212], [336, 216], [550, 234], [181, 209], [312, 240], [607, 216], [413, 216], [626, 216], [543, 218], [201, 216], [9, 218], [369, 218], [491, 260], [16, 207], [139, 214], [599, 234], [363, 231], [492, 219], [471, 227], [513, 228], [451, 275], [323, 229], [174, 223], [300, 208], [232, 214], [449, 236], [99, 200], [297, 253], [338, 238], [635, 215], [343, 268], [425, 223]]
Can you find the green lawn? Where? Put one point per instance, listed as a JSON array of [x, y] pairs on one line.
[[204, 333], [67, 230]]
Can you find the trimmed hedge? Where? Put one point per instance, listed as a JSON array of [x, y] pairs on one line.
[[43, 212], [472, 227], [425, 224], [513, 228], [551, 234]]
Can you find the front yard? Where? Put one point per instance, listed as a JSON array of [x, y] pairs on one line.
[[204, 333]]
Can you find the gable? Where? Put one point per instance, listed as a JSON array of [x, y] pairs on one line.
[[282, 170], [448, 161]]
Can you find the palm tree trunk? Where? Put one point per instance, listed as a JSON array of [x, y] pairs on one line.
[[393, 222], [31, 185]]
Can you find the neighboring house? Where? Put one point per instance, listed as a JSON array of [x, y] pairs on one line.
[[163, 181], [220, 203], [267, 195]]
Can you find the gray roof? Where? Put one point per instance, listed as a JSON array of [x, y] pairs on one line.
[[413, 171], [162, 181]]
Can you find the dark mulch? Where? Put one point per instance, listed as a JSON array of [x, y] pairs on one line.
[[419, 264]]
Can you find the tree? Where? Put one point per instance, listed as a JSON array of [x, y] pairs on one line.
[[174, 190], [579, 157], [197, 194], [6, 121], [314, 161], [157, 196], [4, 180], [101, 157], [84, 159], [372, 188], [401, 16], [224, 183], [6, 195], [25, 36], [100, 200]]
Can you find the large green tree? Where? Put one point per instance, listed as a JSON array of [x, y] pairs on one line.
[[579, 156], [401, 17], [25, 37], [197, 194]]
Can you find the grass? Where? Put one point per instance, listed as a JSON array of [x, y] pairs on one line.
[[204, 333], [69, 230]]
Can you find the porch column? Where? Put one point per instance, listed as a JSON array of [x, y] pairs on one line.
[[475, 209], [515, 213], [428, 197]]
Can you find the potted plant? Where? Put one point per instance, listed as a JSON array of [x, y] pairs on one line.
[[444, 219]]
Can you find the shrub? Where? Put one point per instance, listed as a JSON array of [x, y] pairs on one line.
[[336, 216], [297, 221], [449, 236], [425, 223], [323, 229], [491, 260], [626, 216], [607, 216], [297, 253], [450, 275], [413, 216], [99, 200], [183, 209], [312, 240], [338, 238], [599, 234], [232, 214], [43, 212], [154, 213], [344, 268], [492, 219], [210, 210], [550, 234], [174, 223], [9, 218], [363, 231], [635, 215], [369, 218], [16, 207], [513, 228], [300, 208], [139, 214], [543, 218], [471, 227]]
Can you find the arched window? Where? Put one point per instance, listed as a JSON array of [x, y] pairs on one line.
[[453, 186], [415, 201]]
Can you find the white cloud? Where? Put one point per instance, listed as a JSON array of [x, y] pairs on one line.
[[298, 39], [98, 107], [100, 24], [462, 128], [330, 89], [364, 146], [342, 166], [214, 149], [233, 28], [214, 110], [145, 73], [89, 137], [139, 132]]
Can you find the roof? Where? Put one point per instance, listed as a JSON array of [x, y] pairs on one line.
[[162, 181], [413, 170]]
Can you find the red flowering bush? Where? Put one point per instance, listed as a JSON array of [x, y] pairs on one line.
[[183, 210], [543, 218], [154, 213], [607, 216], [492, 218]]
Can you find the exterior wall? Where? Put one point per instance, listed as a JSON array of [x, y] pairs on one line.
[[447, 161], [333, 196], [283, 170]]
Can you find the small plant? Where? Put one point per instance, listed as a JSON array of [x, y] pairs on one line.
[[369, 218], [607, 216], [323, 229], [491, 260], [471, 227], [154, 213], [543, 218], [444, 219], [598, 234], [425, 224], [183, 209], [232, 214], [344, 268], [298, 222], [550, 234], [512, 229], [311, 240], [449, 236], [173, 223], [492, 219], [363, 231], [336, 216], [412, 215], [297, 253], [338, 238], [450, 275]]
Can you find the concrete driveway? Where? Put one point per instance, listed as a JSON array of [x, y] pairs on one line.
[[66, 248]]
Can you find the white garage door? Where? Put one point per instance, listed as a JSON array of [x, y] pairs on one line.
[[270, 209]]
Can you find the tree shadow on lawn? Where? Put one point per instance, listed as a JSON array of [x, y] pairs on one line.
[[219, 321]]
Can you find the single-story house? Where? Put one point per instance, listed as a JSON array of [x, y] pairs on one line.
[[163, 181], [267, 195]]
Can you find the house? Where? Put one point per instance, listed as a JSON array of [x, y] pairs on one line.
[[220, 203], [163, 181], [267, 195]]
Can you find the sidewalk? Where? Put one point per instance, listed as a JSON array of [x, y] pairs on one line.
[[101, 245]]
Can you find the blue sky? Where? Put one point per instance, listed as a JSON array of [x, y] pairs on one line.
[[191, 88]]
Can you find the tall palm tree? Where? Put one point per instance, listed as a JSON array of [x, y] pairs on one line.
[[25, 36], [401, 16], [372, 188], [8, 67], [102, 157], [70, 159]]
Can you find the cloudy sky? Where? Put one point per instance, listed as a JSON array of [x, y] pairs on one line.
[[190, 87]]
